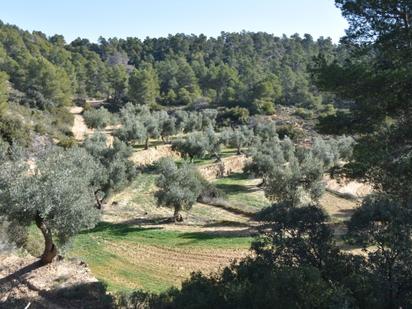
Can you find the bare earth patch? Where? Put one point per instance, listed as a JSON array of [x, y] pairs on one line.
[[79, 129], [62, 284]]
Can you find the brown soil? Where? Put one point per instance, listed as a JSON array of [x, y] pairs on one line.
[[153, 154], [81, 131], [229, 165], [62, 284]]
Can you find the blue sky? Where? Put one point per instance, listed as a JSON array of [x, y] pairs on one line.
[[122, 18]]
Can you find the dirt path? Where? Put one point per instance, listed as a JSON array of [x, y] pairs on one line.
[[79, 129]]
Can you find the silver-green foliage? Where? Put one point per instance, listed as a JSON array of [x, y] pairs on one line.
[[293, 174], [97, 118], [116, 168], [199, 144], [239, 137], [58, 188], [179, 186]]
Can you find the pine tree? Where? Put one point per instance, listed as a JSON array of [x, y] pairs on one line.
[[143, 86]]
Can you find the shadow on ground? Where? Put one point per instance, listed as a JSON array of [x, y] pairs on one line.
[[225, 223], [209, 235], [118, 229], [81, 296]]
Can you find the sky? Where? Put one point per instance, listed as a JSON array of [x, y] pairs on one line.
[[157, 18]]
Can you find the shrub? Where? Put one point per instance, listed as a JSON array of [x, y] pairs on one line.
[[97, 118], [13, 129]]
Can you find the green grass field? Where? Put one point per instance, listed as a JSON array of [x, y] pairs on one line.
[[242, 193], [134, 248], [131, 257], [154, 256]]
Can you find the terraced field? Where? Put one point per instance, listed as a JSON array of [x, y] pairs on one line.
[[136, 247], [154, 259]]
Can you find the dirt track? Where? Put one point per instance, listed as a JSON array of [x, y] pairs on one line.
[[79, 129]]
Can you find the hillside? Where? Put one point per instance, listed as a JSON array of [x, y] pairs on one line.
[[244, 170]]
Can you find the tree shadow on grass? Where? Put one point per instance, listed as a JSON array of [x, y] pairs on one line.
[[225, 223], [225, 205], [195, 237], [117, 229], [149, 221], [232, 188], [85, 295]]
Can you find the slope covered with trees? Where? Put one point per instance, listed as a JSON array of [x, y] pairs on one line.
[[254, 70], [209, 98]]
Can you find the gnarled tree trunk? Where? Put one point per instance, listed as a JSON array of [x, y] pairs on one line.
[[50, 250], [177, 216]]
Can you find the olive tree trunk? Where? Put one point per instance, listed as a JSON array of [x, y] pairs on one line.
[[50, 250], [177, 216]]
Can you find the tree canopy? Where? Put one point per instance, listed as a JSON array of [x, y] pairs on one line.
[[56, 193]]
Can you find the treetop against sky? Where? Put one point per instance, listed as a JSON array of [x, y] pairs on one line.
[[123, 18]]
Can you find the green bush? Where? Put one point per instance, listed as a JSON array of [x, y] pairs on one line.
[[97, 118], [304, 113], [67, 142], [13, 129]]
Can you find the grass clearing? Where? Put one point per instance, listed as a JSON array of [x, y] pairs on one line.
[[242, 192], [130, 257]]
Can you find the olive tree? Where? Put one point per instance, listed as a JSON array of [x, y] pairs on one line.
[[167, 125], [264, 159], [199, 144], [294, 174], [132, 130], [139, 124], [151, 124], [193, 146], [296, 178], [181, 120], [212, 142], [97, 118], [266, 131], [56, 193], [238, 138], [179, 186], [115, 165]]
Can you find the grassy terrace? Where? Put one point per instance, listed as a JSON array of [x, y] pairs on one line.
[[242, 192], [131, 257], [135, 250]]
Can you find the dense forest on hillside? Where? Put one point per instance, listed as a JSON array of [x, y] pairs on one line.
[[252, 70]]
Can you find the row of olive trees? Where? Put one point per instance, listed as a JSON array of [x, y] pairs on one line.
[[293, 174], [208, 143], [139, 124]]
